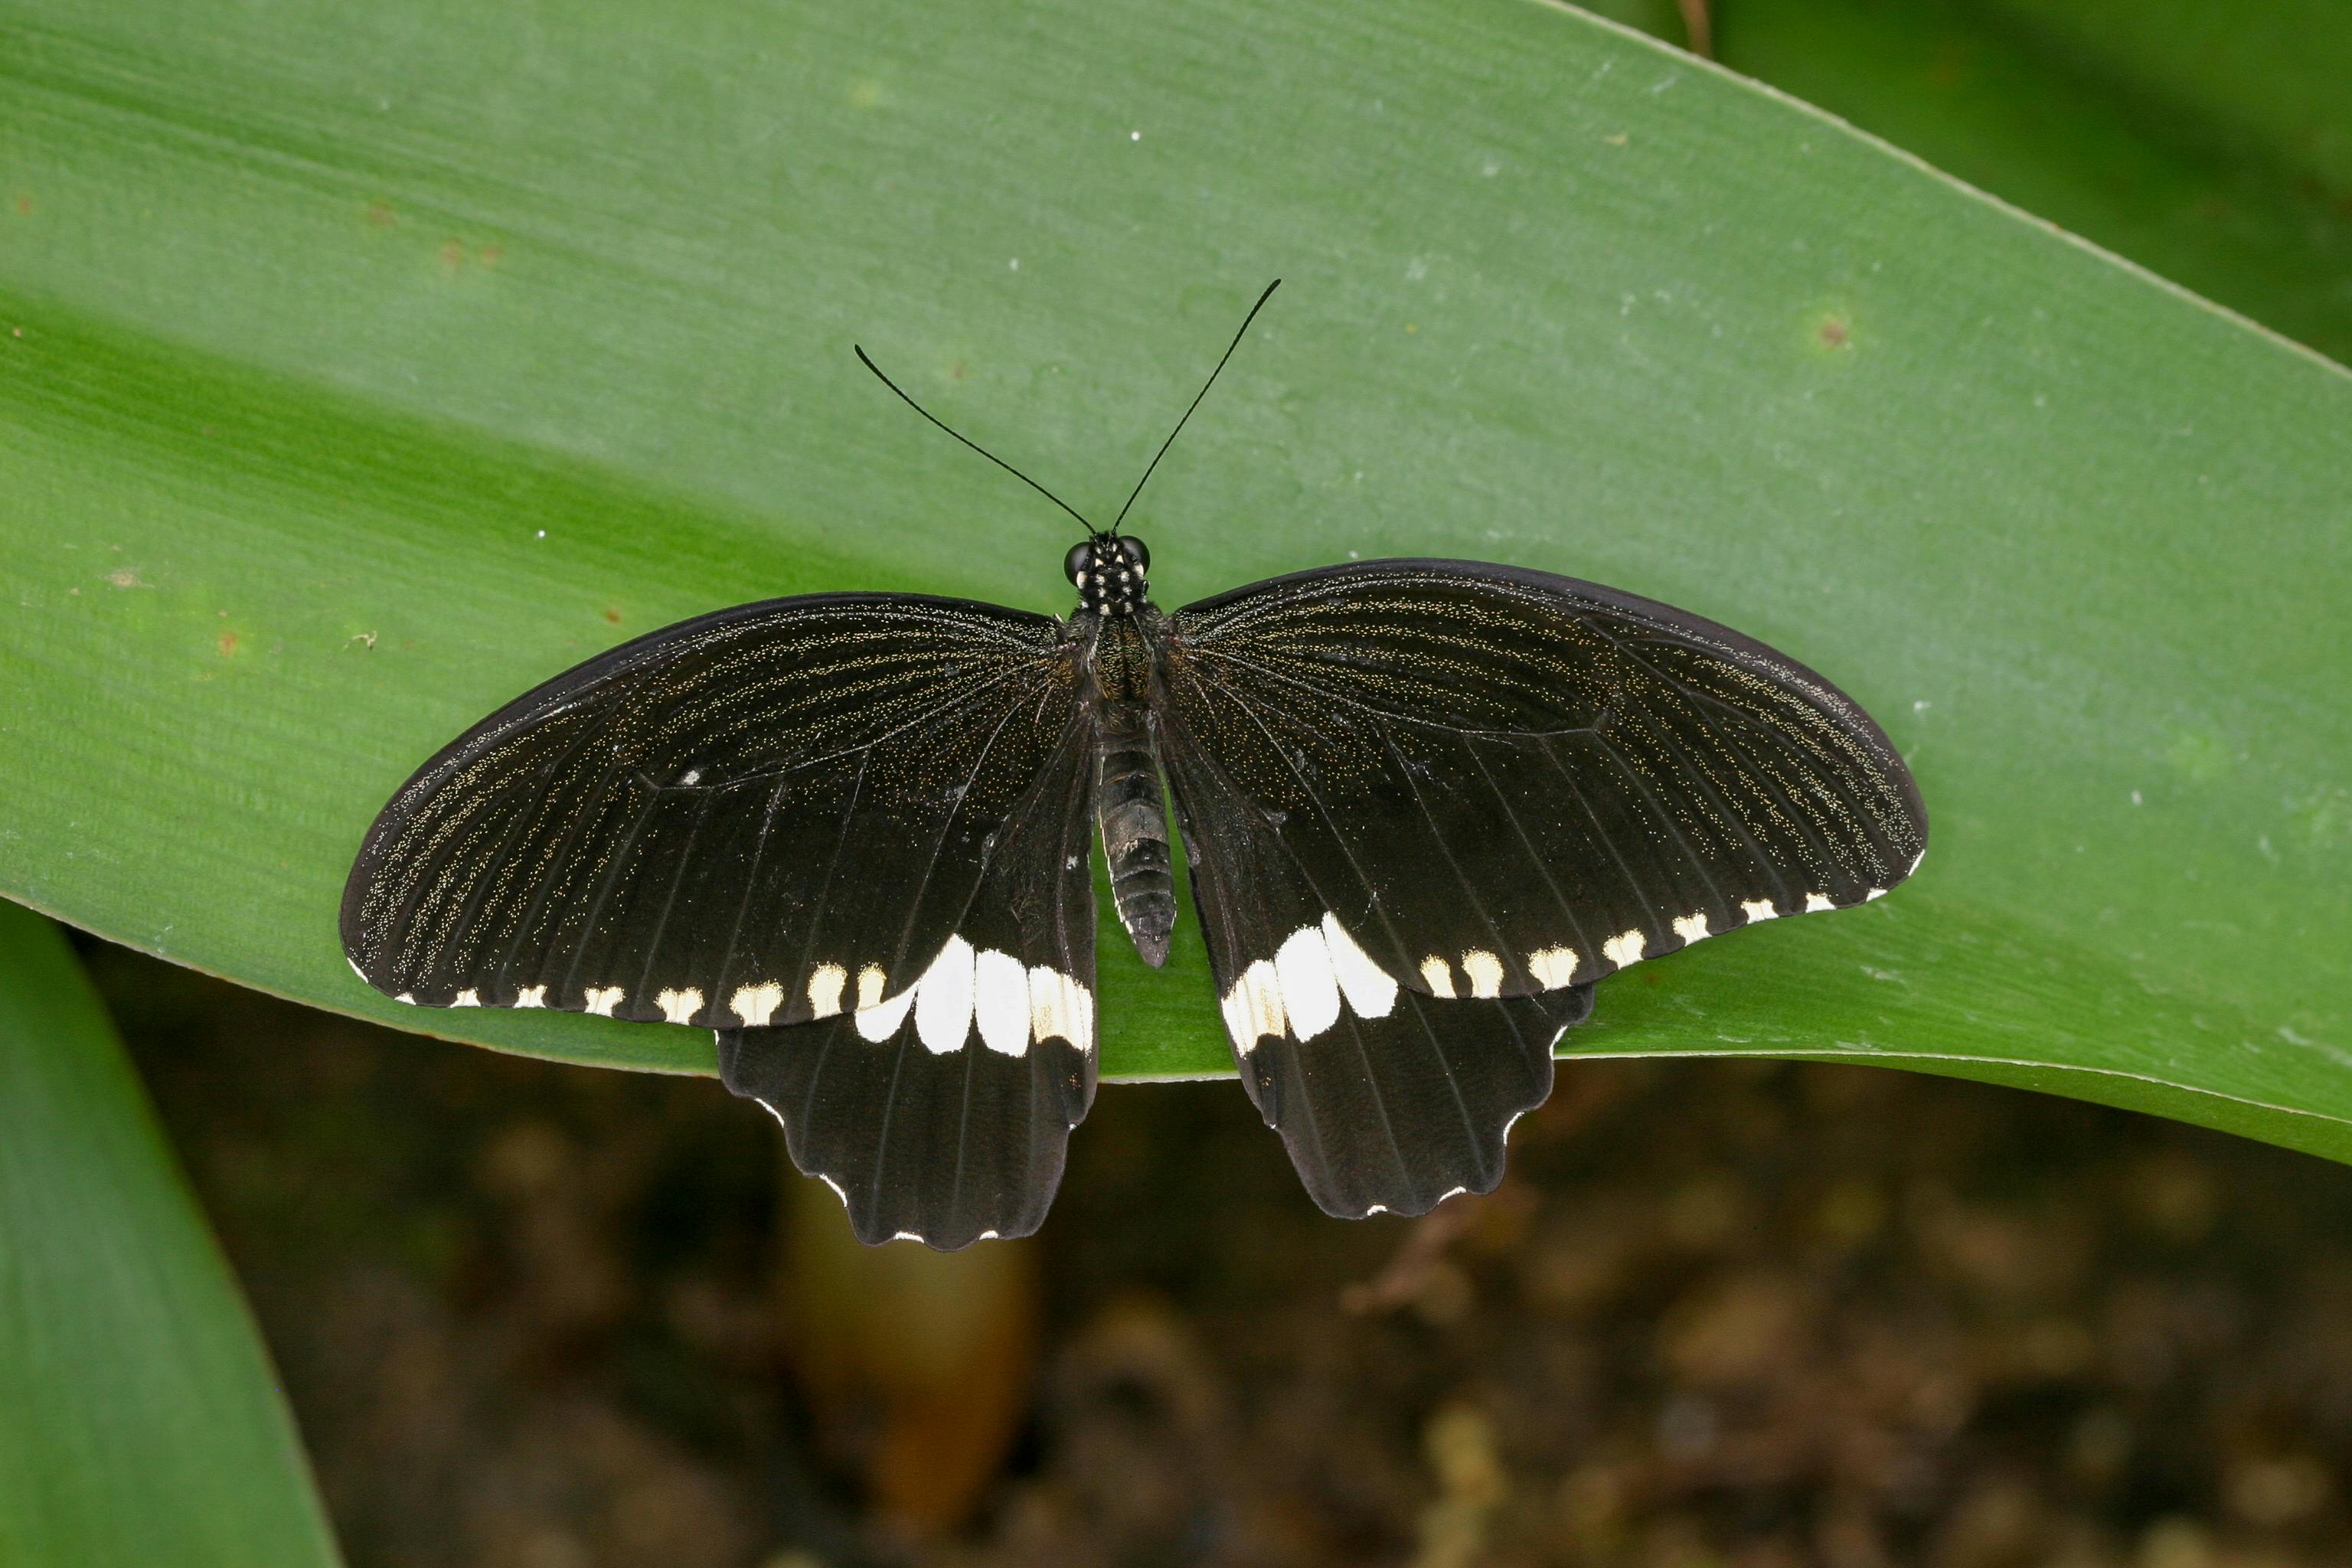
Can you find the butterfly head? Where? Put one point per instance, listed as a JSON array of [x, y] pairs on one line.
[[1107, 571]]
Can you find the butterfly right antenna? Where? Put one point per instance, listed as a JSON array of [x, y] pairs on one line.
[[1253, 309]]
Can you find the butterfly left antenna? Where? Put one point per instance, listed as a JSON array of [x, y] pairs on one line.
[[1230, 347], [975, 446]]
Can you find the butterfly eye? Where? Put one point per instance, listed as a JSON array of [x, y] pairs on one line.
[[1137, 551], [1075, 561]]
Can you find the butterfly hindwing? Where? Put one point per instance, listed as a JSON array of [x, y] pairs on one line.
[[943, 1111], [1508, 782], [768, 814], [1388, 1099]]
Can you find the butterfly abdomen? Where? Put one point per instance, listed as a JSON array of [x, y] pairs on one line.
[[1134, 821]]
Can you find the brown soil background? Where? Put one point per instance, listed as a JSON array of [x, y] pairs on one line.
[[1720, 1316]]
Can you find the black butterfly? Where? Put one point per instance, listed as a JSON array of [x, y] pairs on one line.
[[1425, 803]]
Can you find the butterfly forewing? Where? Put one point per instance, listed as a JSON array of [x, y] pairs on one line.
[[773, 814], [1504, 782]]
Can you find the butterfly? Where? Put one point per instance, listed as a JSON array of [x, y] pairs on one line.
[[1425, 805]]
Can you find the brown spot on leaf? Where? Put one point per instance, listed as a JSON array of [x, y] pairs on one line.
[[453, 255], [228, 641], [492, 254], [380, 216], [24, 206], [612, 615], [1833, 333], [124, 577]]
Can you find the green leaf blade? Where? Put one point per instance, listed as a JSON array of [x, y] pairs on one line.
[[140, 1420], [1555, 296]]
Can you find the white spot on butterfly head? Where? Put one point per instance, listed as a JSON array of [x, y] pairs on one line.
[[1438, 975], [1253, 1008], [824, 987], [603, 999], [679, 1006], [1692, 927], [531, 996], [1370, 993], [1758, 910], [1485, 972], [1816, 903], [1553, 967], [469, 997], [1625, 948], [755, 1004]]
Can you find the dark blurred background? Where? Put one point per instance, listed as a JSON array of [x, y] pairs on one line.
[[1720, 1316]]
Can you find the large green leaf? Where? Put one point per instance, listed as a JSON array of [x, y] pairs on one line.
[[138, 1419], [2210, 143], [377, 362]]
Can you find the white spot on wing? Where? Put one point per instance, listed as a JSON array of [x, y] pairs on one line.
[[826, 983], [469, 997], [1376, 1208], [1553, 967], [1368, 988], [355, 966], [407, 997], [531, 996], [1758, 910], [1623, 950], [881, 1021], [1060, 1008], [1438, 975], [679, 1006], [1485, 972], [1692, 927], [1816, 903], [1452, 1193], [1874, 893], [906, 1235], [1252, 1007], [755, 1004], [603, 999], [1311, 991], [1000, 1002], [870, 980], [944, 999]]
